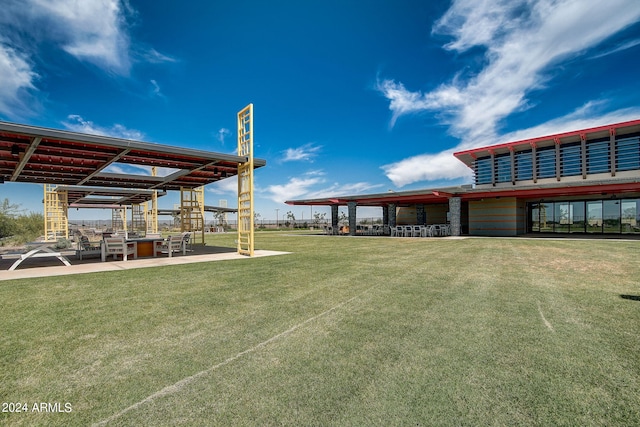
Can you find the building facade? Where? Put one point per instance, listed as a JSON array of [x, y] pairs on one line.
[[581, 182]]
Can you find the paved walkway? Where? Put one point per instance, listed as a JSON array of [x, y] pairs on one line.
[[95, 265]]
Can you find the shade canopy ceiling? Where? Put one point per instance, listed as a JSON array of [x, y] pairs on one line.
[[48, 156]]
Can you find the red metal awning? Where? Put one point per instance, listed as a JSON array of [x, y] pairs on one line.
[[49, 156]]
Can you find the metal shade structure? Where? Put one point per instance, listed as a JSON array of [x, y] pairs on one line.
[[38, 155]]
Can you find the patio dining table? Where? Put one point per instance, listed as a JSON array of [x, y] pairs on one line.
[[146, 246]]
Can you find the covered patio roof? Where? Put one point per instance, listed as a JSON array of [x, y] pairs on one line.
[[630, 187], [111, 167], [398, 198]]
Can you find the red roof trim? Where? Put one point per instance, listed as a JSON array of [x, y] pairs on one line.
[[549, 137], [578, 190]]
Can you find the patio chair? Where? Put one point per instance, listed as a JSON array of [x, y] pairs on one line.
[[87, 248], [172, 244], [118, 246], [416, 231], [427, 231], [186, 240]]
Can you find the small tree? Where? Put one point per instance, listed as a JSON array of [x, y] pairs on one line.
[[219, 217], [29, 226], [343, 218], [8, 214], [18, 225], [318, 217], [291, 219]]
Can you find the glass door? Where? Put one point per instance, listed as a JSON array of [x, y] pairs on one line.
[[577, 217], [611, 216], [594, 216], [630, 219]]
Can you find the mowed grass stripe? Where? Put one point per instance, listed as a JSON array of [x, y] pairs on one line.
[[450, 333], [177, 387]]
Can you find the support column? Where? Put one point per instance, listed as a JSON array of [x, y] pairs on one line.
[[512, 155], [493, 168], [421, 217], [334, 218], [612, 150], [352, 218], [558, 163], [455, 204], [392, 214], [583, 154], [534, 162], [385, 215]]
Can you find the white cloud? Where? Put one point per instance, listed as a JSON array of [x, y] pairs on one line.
[[523, 40], [338, 189], [304, 153], [17, 81], [313, 185], [587, 116], [293, 189], [91, 30], [77, 124], [156, 91], [152, 56], [222, 135], [225, 186], [426, 167], [619, 48], [443, 165]]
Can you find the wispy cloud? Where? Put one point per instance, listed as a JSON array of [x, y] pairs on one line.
[[306, 153], [339, 189], [155, 89], [78, 124], [152, 56], [227, 186], [523, 40], [96, 32], [313, 185], [292, 189], [222, 135], [444, 166], [18, 79], [92, 31], [619, 48]]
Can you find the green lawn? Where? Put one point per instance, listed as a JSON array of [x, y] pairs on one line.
[[344, 331]]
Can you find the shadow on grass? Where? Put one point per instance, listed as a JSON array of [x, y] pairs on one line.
[[631, 297]]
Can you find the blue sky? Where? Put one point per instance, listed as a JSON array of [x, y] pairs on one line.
[[349, 96]]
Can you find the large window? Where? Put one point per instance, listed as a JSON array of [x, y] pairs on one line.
[[598, 157], [630, 216], [547, 163], [571, 160], [535, 216], [561, 217], [628, 154], [609, 216], [577, 217], [546, 217], [524, 165], [594, 216], [483, 170], [503, 168]]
